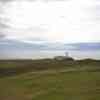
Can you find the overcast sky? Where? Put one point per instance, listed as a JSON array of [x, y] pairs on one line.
[[30, 27], [64, 21]]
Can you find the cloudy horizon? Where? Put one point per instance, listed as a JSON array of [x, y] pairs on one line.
[[49, 25]]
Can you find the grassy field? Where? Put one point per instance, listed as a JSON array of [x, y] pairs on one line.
[[14, 67], [59, 85], [56, 86]]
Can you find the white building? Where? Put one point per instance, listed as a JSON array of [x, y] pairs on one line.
[[66, 57]]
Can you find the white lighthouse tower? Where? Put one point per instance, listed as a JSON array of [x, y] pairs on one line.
[[66, 55]]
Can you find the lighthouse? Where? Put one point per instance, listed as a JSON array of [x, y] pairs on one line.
[[65, 57], [66, 54]]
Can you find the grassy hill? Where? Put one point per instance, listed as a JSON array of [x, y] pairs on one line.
[[13, 67]]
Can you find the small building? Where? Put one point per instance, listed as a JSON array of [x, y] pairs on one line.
[[66, 57], [59, 57]]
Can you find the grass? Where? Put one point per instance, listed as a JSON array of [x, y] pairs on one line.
[[56, 86], [27, 80], [14, 67]]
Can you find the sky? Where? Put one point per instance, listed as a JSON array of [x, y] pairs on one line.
[[50, 23]]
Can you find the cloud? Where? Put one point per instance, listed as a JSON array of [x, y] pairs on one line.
[[7, 1], [98, 12], [31, 34], [1, 36], [65, 22], [3, 25], [3, 19], [21, 45], [37, 29], [47, 1]]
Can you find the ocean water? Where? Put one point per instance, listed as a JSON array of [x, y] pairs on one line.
[[75, 54], [94, 54]]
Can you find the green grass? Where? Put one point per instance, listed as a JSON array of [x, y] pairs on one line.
[[23, 80], [57, 86], [15, 67]]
